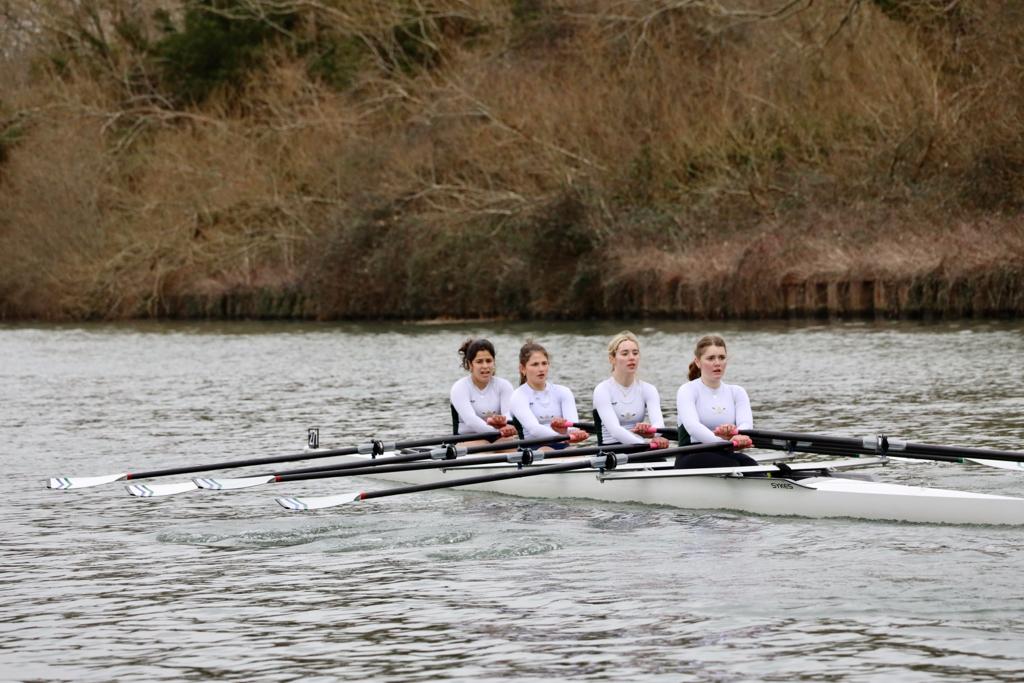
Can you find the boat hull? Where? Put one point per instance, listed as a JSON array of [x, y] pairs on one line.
[[814, 497]]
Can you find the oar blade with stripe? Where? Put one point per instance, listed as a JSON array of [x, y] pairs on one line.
[[65, 483], [319, 502], [1001, 464], [212, 484], [159, 490]]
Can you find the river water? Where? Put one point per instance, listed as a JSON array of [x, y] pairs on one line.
[[453, 585]]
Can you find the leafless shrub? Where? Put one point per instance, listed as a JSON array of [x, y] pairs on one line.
[[665, 125]]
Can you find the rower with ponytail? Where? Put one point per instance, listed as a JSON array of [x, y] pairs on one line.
[[543, 408], [711, 411], [481, 400]]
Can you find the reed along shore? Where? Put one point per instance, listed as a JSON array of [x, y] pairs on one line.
[[511, 158]]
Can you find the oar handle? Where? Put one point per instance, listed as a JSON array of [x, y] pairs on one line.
[[521, 443], [670, 432]]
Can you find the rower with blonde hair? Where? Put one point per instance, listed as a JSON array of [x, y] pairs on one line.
[[629, 409]]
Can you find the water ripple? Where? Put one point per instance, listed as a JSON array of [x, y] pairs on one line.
[[454, 585]]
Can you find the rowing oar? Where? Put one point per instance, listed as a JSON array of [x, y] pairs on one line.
[[603, 460], [883, 445], [876, 450], [670, 432], [372, 447], [523, 457], [450, 451]]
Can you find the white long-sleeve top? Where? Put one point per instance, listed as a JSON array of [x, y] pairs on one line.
[[535, 409], [702, 408], [474, 405], [622, 408]]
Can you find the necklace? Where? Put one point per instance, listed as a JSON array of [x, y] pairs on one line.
[[627, 392]]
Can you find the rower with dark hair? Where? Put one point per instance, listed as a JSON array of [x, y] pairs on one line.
[[481, 401], [711, 411], [543, 408]]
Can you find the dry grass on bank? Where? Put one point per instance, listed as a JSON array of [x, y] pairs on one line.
[[818, 268], [556, 158]]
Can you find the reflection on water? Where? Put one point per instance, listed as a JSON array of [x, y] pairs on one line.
[[101, 586]]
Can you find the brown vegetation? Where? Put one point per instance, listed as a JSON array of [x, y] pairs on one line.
[[423, 158]]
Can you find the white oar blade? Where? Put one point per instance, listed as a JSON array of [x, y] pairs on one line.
[[231, 484], [64, 483], [1002, 464], [319, 503], [157, 490]]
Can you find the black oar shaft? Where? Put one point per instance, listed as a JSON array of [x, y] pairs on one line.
[[362, 468], [762, 434], [384, 469], [411, 457], [534, 471], [309, 455], [290, 457], [826, 449], [893, 447], [454, 438], [955, 451], [515, 474]]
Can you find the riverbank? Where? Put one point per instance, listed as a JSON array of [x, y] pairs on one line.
[[817, 270], [512, 160]]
